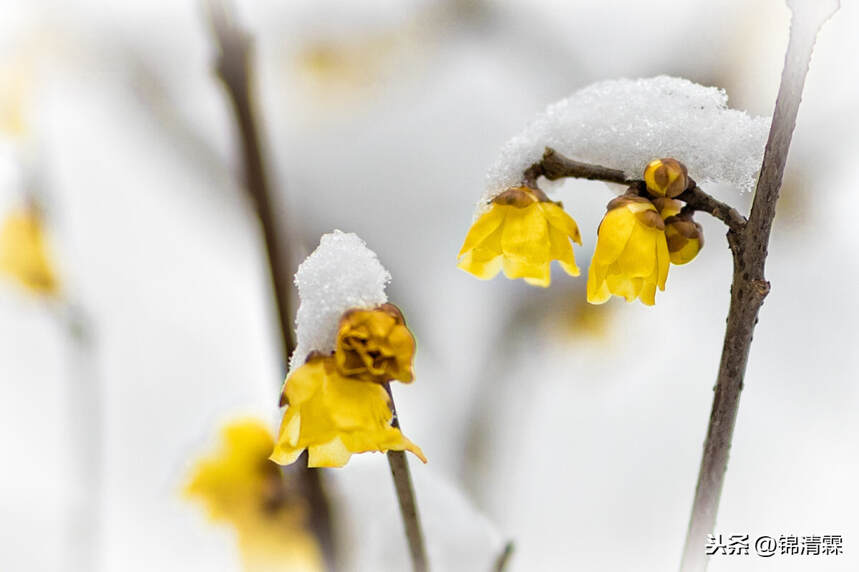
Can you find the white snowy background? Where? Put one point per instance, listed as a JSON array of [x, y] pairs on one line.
[[582, 448]]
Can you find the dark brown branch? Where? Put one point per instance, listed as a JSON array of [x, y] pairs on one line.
[[233, 67], [697, 200], [555, 166], [402, 477], [748, 290]]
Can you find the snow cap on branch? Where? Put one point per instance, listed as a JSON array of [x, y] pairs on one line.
[[342, 273], [623, 124]]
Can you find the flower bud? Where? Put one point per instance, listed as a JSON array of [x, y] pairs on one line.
[[685, 239], [667, 207], [666, 177]]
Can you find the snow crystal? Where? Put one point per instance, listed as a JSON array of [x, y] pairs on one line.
[[625, 123], [342, 273]]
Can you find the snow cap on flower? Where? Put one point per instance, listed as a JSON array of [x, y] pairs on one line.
[[625, 123], [341, 274]]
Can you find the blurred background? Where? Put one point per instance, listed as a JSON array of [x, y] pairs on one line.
[[573, 430]]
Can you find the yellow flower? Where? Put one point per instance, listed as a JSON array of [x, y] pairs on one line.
[[239, 485], [521, 234], [375, 345], [685, 239], [631, 258], [334, 416], [666, 177], [23, 252]]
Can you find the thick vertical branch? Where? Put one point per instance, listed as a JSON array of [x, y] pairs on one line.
[[233, 67], [749, 287], [406, 498]]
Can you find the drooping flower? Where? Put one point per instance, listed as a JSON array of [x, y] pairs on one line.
[[666, 177], [239, 485], [685, 239], [333, 416], [631, 257], [23, 252], [521, 233], [375, 345]]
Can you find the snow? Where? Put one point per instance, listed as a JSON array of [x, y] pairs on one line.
[[342, 273], [625, 123]]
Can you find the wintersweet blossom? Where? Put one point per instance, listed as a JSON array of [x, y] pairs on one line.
[[333, 416], [521, 233], [631, 257], [375, 345], [23, 252], [240, 486]]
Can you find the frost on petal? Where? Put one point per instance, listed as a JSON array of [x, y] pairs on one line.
[[625, 123], [342, 273]]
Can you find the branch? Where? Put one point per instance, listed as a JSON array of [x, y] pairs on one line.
[[406, 498], [234, 46], [749, 286], [556, 166]]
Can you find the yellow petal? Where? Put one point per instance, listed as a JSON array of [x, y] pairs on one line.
[[559, 219], [613, 234], [562, 251], [331, 454], [484, 226]]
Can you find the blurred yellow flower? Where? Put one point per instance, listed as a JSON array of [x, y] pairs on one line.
[[631, 257], [334, 416], [375, 345], [521, 233], [23, 252], [15, 88], [239, 485]]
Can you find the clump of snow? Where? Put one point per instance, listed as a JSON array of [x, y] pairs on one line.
[[624, 124], [342, 273]]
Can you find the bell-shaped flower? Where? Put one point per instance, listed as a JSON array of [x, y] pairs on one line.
[[521, 234], [333, 416], [631, 257]]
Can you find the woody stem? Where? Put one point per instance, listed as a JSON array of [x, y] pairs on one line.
[[233, 68], [406, 498]]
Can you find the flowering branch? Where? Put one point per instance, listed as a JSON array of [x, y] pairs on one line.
[[556, 166], [406, 498], [234, 47], [748, 241]]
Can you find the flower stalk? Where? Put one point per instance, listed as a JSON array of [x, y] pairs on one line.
[[406, 498]]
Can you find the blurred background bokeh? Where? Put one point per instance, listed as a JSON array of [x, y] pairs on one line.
[[573, 430]]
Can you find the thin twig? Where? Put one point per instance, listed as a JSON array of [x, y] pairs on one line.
[[748, 289], [406, 498], [556, 166], [84, 398], [233, 67], [504, 558]]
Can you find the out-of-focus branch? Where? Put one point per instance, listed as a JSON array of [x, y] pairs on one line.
[[233, 68], [556, 166], [504, 558]]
